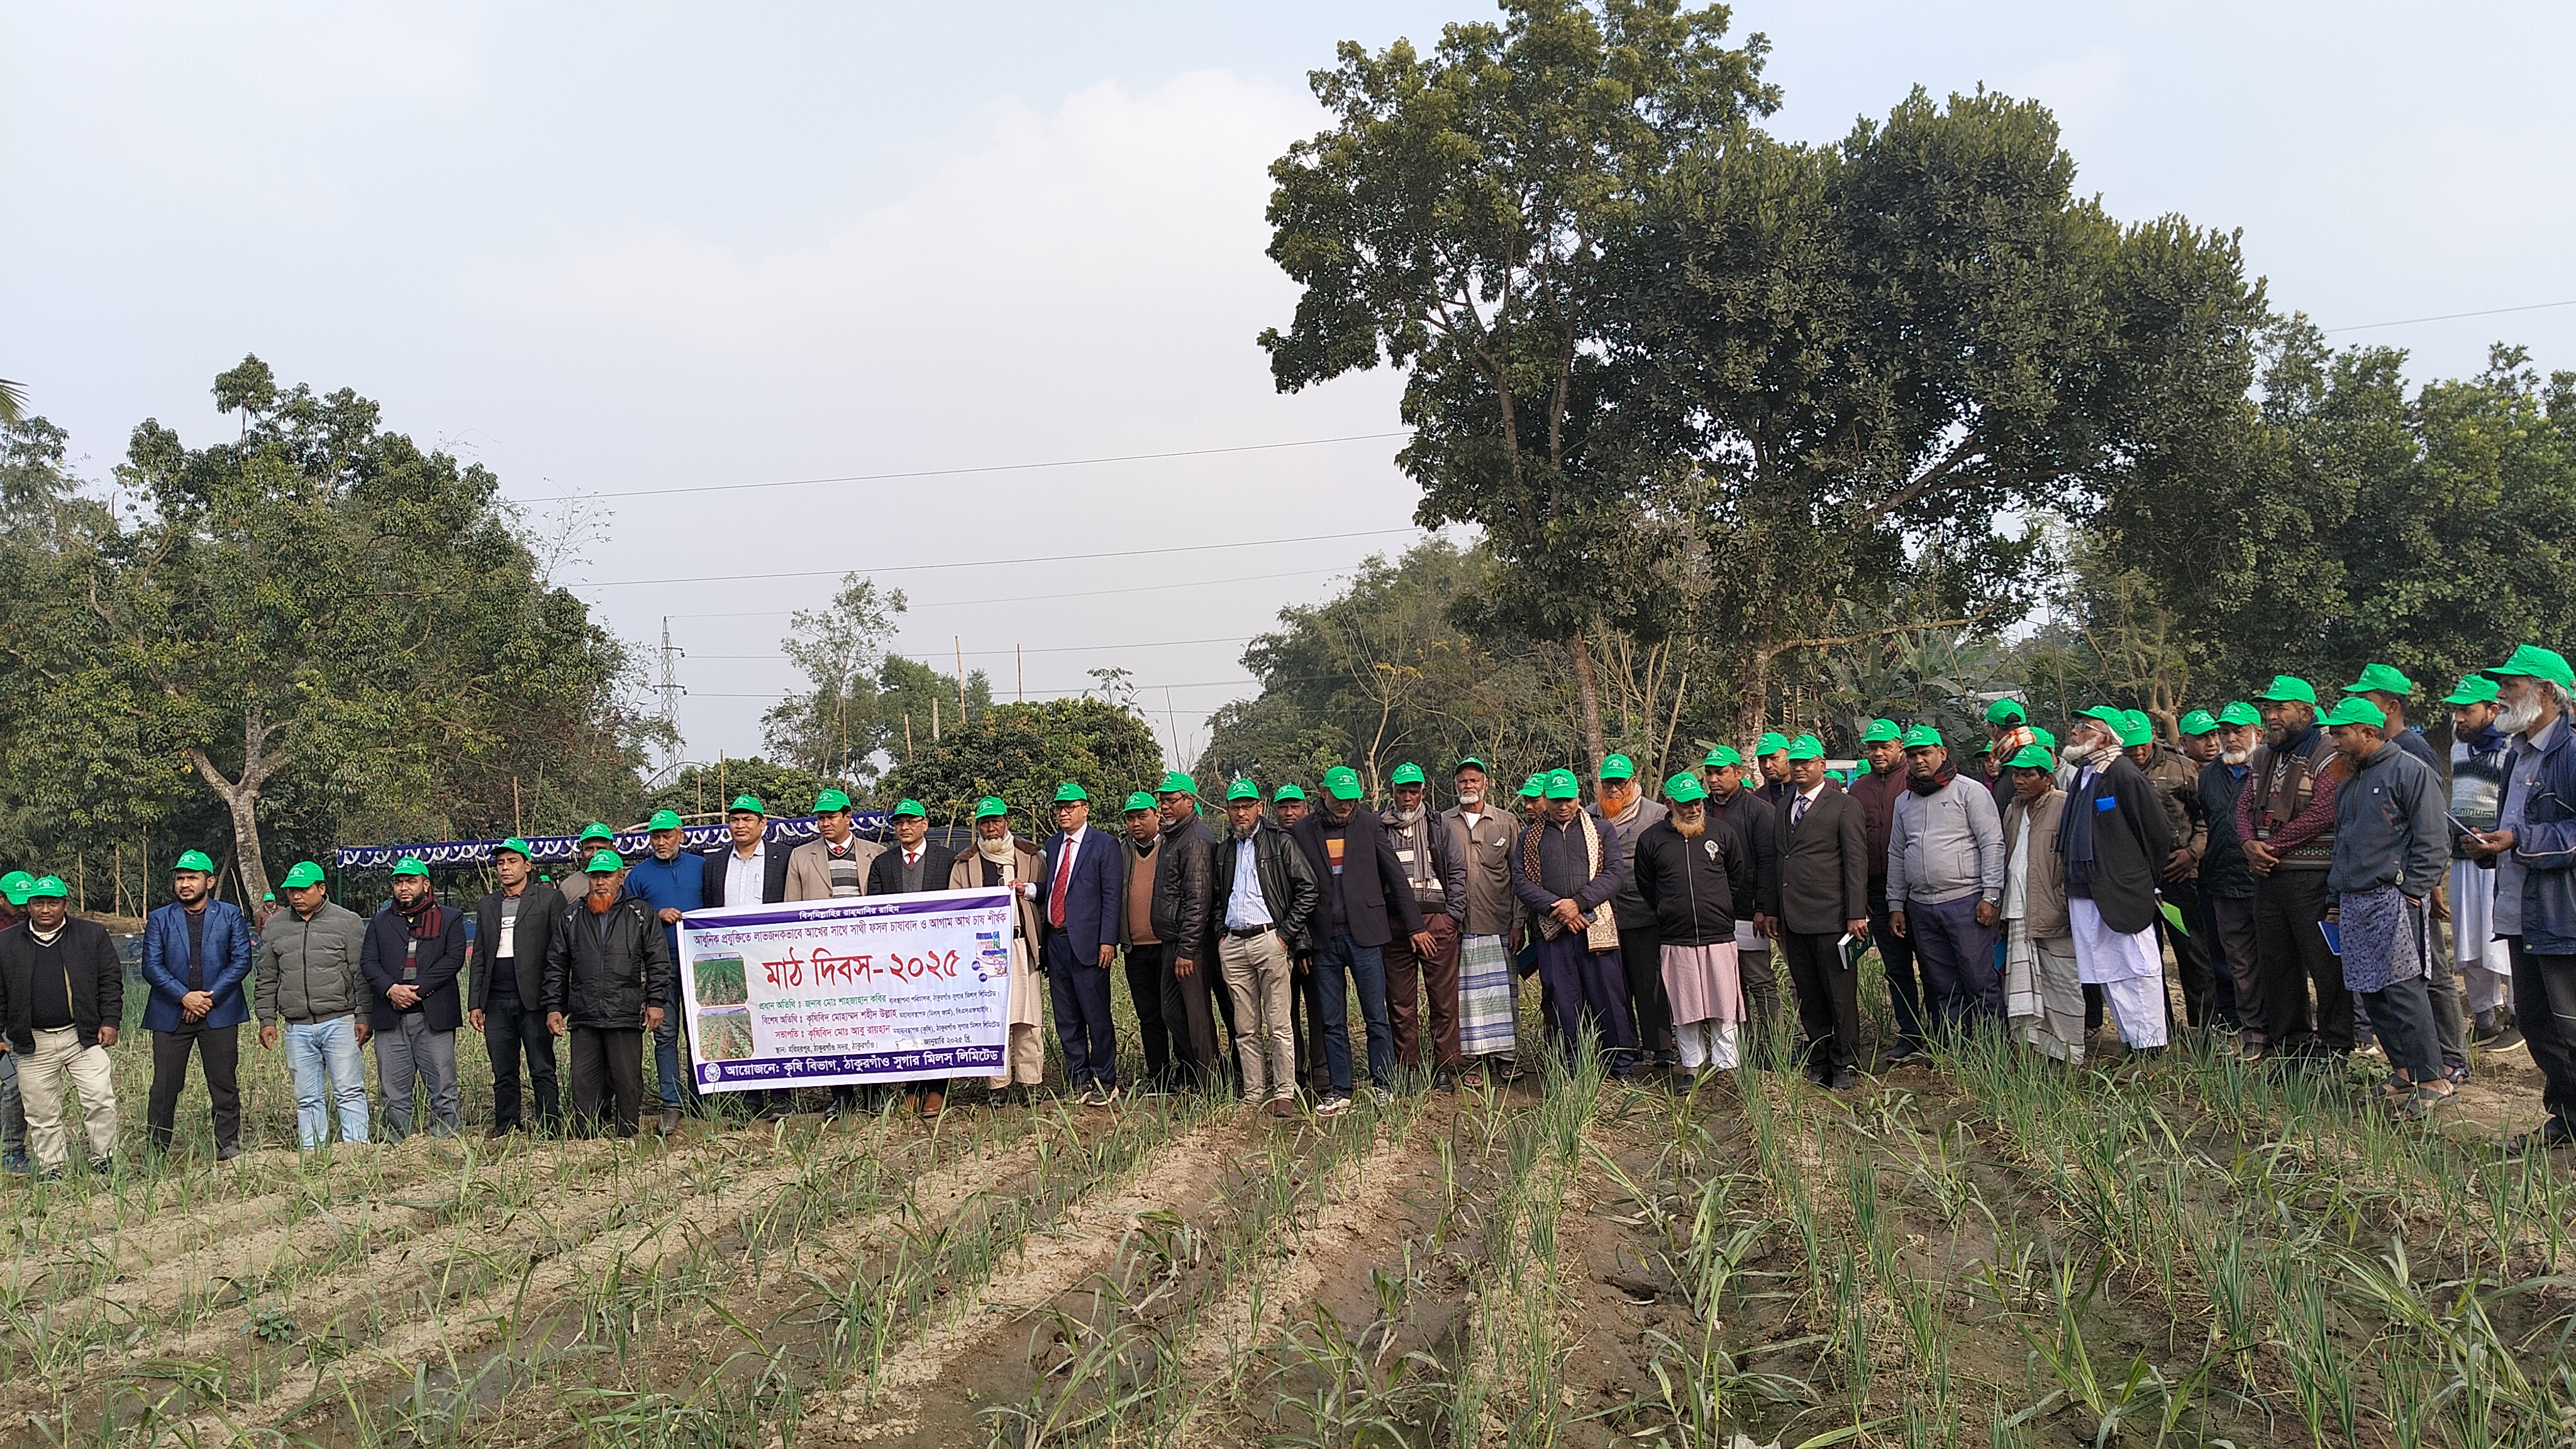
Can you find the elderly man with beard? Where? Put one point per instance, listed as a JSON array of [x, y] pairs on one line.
[[2043, 984], [1143, 949], [1883, 752], [2176, 782], [1567, 867], [1264, 896], [2115, 838], [607, 984], [1367, 900], [2533, 850], [2477, 784], [1428, 851], [1699, 882], [1619, 804], [1481, 836], [2388, 861], [1734, 803], [415, 948], [673, 882], [2285, 824], [1945, 881], [1001, 858], [196, 955], [2226, 884]]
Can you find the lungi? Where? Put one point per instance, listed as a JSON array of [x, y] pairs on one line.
[[1487, 1000]]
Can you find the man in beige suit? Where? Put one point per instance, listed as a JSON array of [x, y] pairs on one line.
[[835, 863]]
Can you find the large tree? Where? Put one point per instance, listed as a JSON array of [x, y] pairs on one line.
[[833, 728], [1462, 220], [1022, 752]]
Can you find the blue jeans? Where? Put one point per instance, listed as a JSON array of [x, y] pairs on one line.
[[13, 1109], [322, 1054], [1367, 966], [666, 1047]]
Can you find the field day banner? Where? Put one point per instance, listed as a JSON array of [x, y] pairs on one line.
[[819, 993]]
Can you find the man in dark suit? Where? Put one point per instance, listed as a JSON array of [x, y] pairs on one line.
[[1079, 899], [2115, 838], [505, 988], [748, 871], [914, 864], [414, 950], [1824, 897], [1365, 895]]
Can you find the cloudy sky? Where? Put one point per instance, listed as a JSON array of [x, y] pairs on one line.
[[629, 251]]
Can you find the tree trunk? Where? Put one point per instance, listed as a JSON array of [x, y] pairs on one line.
[[242, 799], [1587, 690], [1754, 698]]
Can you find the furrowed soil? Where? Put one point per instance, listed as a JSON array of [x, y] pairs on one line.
[[1977, 1249]]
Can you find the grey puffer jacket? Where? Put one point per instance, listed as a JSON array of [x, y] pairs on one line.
[[309, 970]]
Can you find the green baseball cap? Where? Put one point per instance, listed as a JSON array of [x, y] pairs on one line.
[[595, 830], [50, 885], [1342, 783], [1771, 743], [1721, 756], [2289, 688], [911, 808], [1861, 767], [1177, 782], [1880, 731], [411, 865], [1535, 786], [2006, 711], [301, 874], [2198, 722], [2043, 736], [1684, 787], [2032, 757], [269, 897], [665, 820], [2355, 710], [2539, 663], [1070, 793], [1618, 767], [1806, 747], [14, 886], [1144, 799], [1562, 785], [193, 860], [2136, 728], [2105, 714], [1472, 763], [604, 862], [1407, 773], [1243, 789], [2474, 689], [2381, 679], [2240, 714], [742, 803], [1916, 736], [829, 801], [1288, 792], [990, 806], [517, 847]]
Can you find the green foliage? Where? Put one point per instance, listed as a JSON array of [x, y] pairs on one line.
[[833, 728], [705, 790], [1021, 752]]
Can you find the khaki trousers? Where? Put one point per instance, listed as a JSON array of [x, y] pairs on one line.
[[59, 1058], [1257, 977]]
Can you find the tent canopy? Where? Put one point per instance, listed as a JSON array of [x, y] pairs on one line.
[[781, 831]]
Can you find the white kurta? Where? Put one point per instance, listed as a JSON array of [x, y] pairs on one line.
[[2128, 968]]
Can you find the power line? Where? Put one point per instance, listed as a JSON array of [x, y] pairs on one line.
[[1048, 649], [984, 563], [2453, 316], [983, 468]]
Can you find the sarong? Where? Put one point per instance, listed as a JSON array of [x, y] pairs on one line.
[[2383, 939], [1487, 1002], [2043, 997]]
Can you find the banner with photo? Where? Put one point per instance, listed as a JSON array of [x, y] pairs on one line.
[[820, 993]]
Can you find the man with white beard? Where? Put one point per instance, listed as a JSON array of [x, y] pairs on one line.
[[2533, 848], [1481, 836], [2477, 783], [2226, 884], [2114, 838]]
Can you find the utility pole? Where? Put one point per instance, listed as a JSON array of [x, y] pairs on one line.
[[1020, 662], [959, 641], [671, 692]]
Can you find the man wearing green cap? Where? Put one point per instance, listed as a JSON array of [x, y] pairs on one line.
[[834, 865], [2387, 687], [2115, 839], [1438, 874], [2477, 784], [2285, 823], [745, 871], [1143, 949], [310, 984], [1739, 807], [912, 864], [2389, 858], [2533, 848], [1367, 901], [2008, 732], [1001, 858], [1945, 882], [1290, 808], [606, 985], [1264, 896], [2043, 984], [1824, 909], [1078, 897], [196, 955], [62, 997], [1618, 803], [1882, 748], [13, 1108], [673, 881], [2226, 884], [1481, 833], [1567, 868], [505, 991], [1771, 757], [415, 949], [1699, 882], [2175, 779]]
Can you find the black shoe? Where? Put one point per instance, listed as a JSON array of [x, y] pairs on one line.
[[1843, 1080], [497, 1131], [2507, 1038], [2553, 1133], [228, 1152]]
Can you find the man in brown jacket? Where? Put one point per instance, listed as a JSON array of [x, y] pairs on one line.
[[2043, 995], [1482, 833], [1876, 792], [1144, 949], [1824, 908]]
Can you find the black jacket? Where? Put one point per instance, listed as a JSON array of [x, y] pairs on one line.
[[1824, 863], [96, 981], [885, 873], [440, 959], [1375, 894], [540, 911], [2223, 871], [773, 867], [1288, 885], [2131, 839], [1180, 912], [1698, 888], [1757, 825], [603, 970]]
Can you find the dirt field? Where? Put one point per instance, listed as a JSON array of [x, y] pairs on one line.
[[1984, 1251]]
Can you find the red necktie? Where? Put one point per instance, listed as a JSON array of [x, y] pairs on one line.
[[1063, 874]]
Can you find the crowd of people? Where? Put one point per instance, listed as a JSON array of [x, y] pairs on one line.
[[2299, 863]]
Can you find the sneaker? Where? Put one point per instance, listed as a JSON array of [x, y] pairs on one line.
[[670, 1120], [1108, 1093], [18, 1162], [1333, 1105], [1283, 1106], [2506, 1039], [228, 1152], [1381, 1096], [1091, 1096]]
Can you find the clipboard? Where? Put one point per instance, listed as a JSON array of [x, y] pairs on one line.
[[2334, 936]]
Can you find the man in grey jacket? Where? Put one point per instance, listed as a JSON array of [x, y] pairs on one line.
[[2391, 851], [310, 980], [1619, 803], [1945, 881]]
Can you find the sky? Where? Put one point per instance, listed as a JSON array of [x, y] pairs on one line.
[[623, 252]]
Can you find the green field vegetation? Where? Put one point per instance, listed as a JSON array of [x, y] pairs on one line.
[[720, 981], [1990, 1251]]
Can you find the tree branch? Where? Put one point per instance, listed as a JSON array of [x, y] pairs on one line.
[[1776, 649]]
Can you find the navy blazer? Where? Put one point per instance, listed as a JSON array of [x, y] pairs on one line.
[[441, 958], [773, 874], [228, 958], [1091, 896]]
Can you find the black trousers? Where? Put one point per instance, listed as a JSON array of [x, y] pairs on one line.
[[219, 1048], [2190, 952], [1145, 988], [1641, 960], [508, 1033], [607, 1064], [1896, 954], [2544, 1006], [2291, 956], [1189, 1014], [1828, 1001]]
